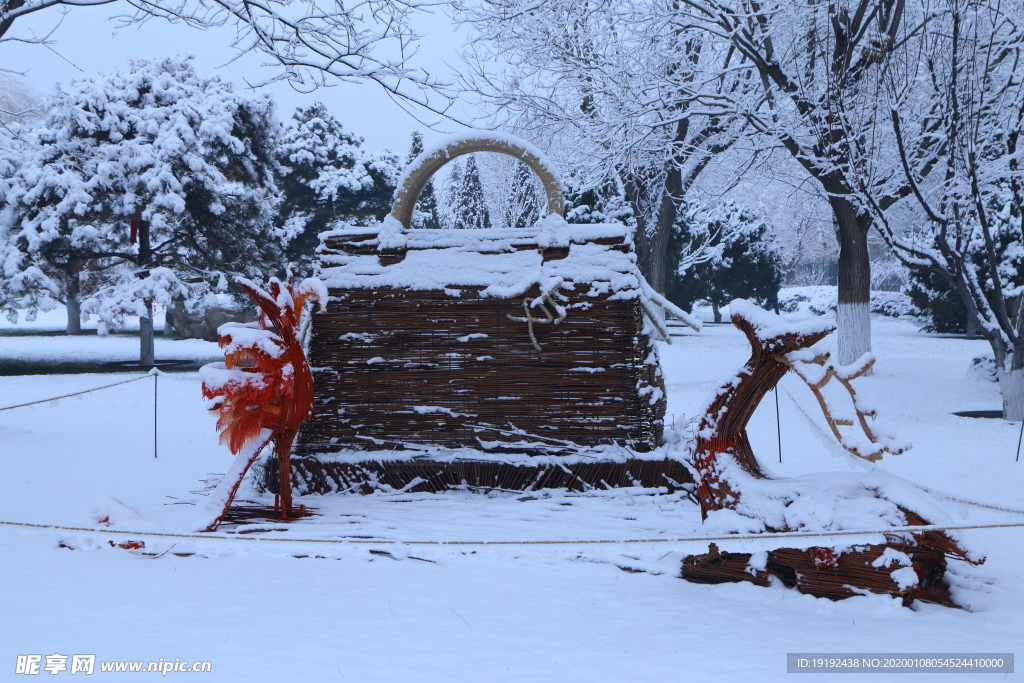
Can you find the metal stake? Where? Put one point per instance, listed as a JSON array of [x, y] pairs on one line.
[[778, 423], [155, 378], [1019, 440]]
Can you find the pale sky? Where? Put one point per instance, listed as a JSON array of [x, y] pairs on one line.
[[87, 43]]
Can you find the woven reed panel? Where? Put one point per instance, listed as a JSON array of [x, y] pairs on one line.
[[311, 475], [402, 368]]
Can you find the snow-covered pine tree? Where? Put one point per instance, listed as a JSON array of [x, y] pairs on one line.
[[466, 205], [939, 301], [154, 181], [326, 178], [525, 199], [12, 150], [426, 214], [604, 203], [737, 257]]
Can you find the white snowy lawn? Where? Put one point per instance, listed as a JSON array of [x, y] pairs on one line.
[[468, 613]]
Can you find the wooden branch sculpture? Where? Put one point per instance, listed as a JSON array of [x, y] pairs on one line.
[[263, 391], [816, 371], [736, 496]]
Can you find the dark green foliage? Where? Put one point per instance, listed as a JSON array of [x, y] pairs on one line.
[[939, 300], [730, 255], [327, 179], [603, 204]]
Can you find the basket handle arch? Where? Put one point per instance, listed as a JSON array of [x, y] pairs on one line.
[[427, 164]]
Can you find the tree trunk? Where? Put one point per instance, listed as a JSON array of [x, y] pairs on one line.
[[1011, 383], [658, 242], [635, 190], [147, 354], [853, 314], [652, 239], [74, 306], [716, 310]]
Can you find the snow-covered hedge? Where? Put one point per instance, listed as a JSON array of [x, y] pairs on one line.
[[822, 300]]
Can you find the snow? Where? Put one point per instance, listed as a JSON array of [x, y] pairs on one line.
[[90, 348], [492, 259], [270, 610], [768, 325]]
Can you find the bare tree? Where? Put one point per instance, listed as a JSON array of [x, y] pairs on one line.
[[618, 90], [19, 103], [311, 42], [956, 111], [818, 64]]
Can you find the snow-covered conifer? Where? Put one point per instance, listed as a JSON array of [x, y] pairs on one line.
[[724, 254], [601, 204], [325, 178], [426, 214], [152, 183], [525, 199], [466, 205]]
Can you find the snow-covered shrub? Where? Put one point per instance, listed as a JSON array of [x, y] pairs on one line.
[[822, 300], [983, 368], [893, 304]]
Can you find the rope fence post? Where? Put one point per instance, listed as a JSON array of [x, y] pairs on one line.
[[1019, 438], [778, 422], [156, 377]]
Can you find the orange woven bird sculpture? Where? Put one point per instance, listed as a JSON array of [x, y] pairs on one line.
[[263, 391]]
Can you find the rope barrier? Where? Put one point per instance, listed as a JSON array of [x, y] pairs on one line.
[[77, 393], [934, 493], [975, 503], [365, 541]]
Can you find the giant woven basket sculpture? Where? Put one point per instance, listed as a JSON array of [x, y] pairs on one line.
[[459, 356]]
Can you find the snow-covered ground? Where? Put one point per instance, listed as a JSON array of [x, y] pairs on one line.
[[570, 612]]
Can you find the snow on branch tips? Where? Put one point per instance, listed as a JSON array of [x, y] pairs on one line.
[[263, 391], [310, 43]]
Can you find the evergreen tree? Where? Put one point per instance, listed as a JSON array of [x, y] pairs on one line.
[[425, 214], [937, 299], [149, 185], [718, 257], [466, 203], [934, 294], [326, 179], [524, 199], [601, 204]]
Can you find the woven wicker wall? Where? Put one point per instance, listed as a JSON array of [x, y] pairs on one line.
[[396, 367]]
